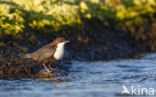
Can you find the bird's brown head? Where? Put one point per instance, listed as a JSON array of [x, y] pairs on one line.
[[60, 40]]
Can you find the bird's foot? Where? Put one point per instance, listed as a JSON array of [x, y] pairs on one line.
[[48, 71], [51, 69]]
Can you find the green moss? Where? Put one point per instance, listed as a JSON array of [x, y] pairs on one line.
[[48, 16]]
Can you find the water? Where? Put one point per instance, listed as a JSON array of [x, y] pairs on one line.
[[90, 79]]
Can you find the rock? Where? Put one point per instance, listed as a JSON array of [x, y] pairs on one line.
[[44, 74]]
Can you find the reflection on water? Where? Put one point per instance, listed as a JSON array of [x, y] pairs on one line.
[[89, 79]]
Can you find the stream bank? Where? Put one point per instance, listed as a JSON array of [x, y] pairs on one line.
[[95, 42]]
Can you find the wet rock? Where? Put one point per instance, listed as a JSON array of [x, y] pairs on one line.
[[18, 68], [44, 74]]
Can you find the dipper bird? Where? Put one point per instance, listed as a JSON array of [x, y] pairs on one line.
[[49, 53]]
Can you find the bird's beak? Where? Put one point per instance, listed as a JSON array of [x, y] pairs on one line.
[[67, 41]]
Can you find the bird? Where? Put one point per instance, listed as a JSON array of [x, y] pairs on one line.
[[49, 54]]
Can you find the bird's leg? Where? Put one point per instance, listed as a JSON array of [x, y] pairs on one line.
[[50, 67], [46, 68]]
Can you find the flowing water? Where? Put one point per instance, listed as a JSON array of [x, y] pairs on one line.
[[92, 79]]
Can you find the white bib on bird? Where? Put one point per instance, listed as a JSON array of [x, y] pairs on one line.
[[59, 51]]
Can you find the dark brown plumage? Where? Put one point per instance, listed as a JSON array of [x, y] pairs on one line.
[[45, 55]]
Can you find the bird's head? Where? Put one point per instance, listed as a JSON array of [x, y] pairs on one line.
[[60, 40]]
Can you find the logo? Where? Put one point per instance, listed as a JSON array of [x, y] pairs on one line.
[[137, 90]]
